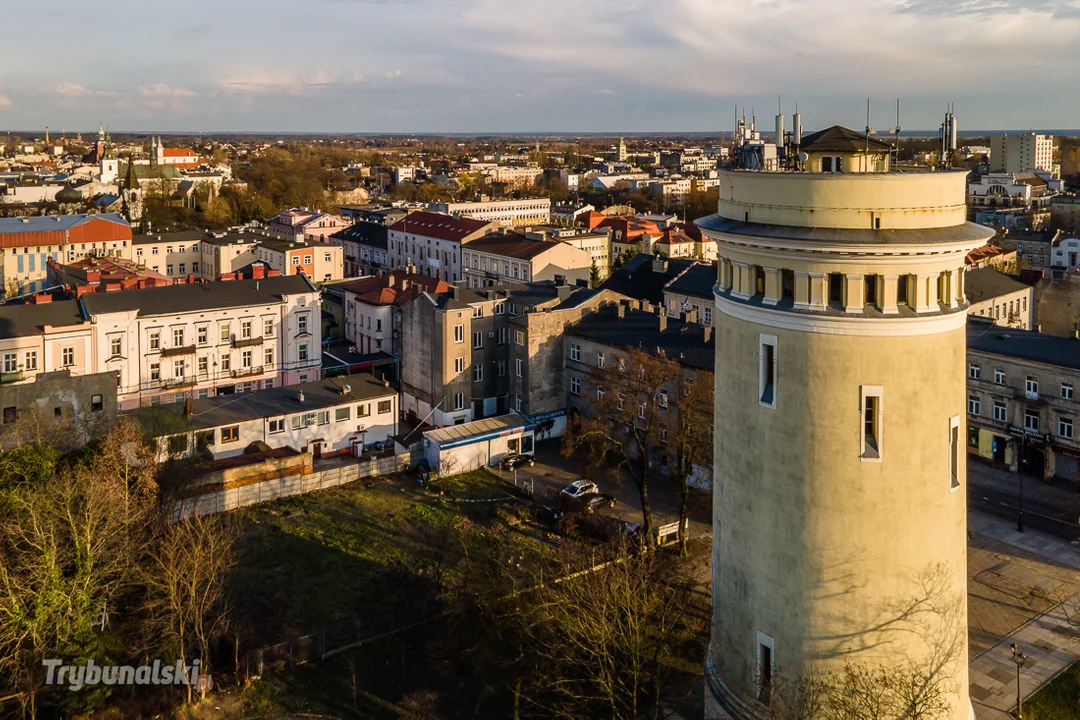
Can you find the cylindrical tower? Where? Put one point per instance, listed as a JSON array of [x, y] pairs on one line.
[[839, 531]]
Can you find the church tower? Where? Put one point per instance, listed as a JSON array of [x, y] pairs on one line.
[[839, 523]]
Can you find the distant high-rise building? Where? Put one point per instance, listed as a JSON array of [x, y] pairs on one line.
[[622, 150], [840, 446], [1023, 152]]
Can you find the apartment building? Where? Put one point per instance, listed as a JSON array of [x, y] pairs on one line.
[[431, 243], [28, 243], [301, 224], [539, 314], [364, 247], [451, 373], [333, 416], [57, 408], [1020, 152], [43, 336], [595, 241], [1035, 248], [999, 297], [692, 291], [174, 255], [320, 261], [372, 309], [508, 257], [202, 340], [1022, 401], [529, 211]]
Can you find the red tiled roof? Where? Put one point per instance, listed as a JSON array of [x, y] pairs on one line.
[[387, 289], [442, 227], [180, 152]]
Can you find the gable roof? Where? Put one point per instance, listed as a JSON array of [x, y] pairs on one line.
[[364, 233], [695, 281], [984, 336], [197, 297], [688, 343], [390, 289], [512, 245], [841, 139], [435, 225]]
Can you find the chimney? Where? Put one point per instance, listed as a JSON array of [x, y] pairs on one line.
[[707, 333], [620, 311], [560, 280], [390, 281], [258, 271], [41, 299], [659, 264], [301, 397], [689, 316], [662, 318]]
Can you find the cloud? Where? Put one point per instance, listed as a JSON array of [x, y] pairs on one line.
[[163, 90], [5, 101], [606, 91], [309, 84], [393, 74]]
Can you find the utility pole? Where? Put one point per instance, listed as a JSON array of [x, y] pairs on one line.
[[1018, 658]]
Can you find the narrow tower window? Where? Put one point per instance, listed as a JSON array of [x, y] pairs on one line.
[[765, 663], [787, 284], [902, 290], [954, 452], [870, 297], [836, 289], [871, 422], [759, 280], [767, 371]]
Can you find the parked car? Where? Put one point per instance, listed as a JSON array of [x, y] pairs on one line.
[[597, 500], [578, 490], [514, 461]]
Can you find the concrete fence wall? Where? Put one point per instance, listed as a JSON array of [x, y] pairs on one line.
[[241, 494]]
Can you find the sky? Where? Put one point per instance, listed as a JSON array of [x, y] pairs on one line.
[[475, 66]]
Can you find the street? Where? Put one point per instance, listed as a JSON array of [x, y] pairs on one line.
[[1048, 506]]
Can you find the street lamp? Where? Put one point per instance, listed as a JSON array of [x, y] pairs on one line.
[[1018, 658]]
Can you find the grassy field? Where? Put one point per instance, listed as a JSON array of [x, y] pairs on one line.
[[1058, 700]]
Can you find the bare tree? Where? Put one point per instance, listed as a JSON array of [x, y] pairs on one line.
[[691, 434], [626, 428]]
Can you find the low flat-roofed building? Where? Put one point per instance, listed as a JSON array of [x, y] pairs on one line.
[[332, 416], [457, 448]]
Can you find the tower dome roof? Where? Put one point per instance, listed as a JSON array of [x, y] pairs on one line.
[[68, 194]]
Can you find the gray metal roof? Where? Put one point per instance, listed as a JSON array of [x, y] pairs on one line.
[[285, 400], [696, 281], [28, 319], [984, 336], [459, 434], [47, 223], [847, 236], [986, 282], [196, 297]]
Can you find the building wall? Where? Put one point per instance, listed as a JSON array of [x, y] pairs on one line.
[[1021, 152], [171, 257], [1011, 309], [813, 550], [511, 212], [62, 409]]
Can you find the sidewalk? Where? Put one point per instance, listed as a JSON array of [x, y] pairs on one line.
[[1049, 642]]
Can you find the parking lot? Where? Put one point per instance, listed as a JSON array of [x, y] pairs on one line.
[[553, 472]]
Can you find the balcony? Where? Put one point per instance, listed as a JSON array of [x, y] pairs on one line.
[[180, 382], [246, 342], [11, 377], [246, 372], [1031, 394], [174, 351]]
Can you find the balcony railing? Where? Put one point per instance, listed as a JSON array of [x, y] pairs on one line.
[[246, 342], [245, 372], [186, 381], [10, 377], [174, 351], [1031, 394]]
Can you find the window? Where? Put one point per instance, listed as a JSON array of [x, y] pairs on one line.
[[501, 335], [155, 371], [302, 352], [203, 366], [277, 425], [500, 368], [363, 411], [226, 362], [155, 340], [11, 362], [1031, 419], [268, 327], [954, 452], [517, 367], [599, 359], [459, 333], [326, 257], [1031, 387], [1000, 410], [1065, 429], [168, 269], [478, 311], [296, 260], [519, 337], [871, 422], [230, 434], [324, 417], [767, 371], [298, 421], [200, 333], [178, 337], [575, 386], [477, 340], [301, 323], [245, 329], [68, 356], [620, 398], [999, 376], [708, 315], [500, 308], [662, 399], [97, 403], [154, 250], [478, 373], [245, 359], [194, 267], [974, 371], [178, 368], [575, 351], [31, 360], [459, 365], [183, 268], [116, 346], [600, 394], [764, 667], [384, 406], [10, 414], [342, 413], [459, 401], [974, 405], [223, 332], [641, 410], [1066, 391], [268, 356], [307, 259]]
